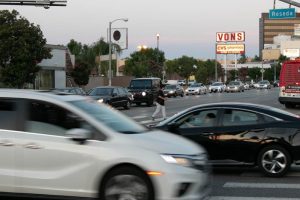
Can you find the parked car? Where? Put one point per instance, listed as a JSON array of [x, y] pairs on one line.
[[265, 84], [241, 134], [71, 90], [181, 82], [69, 146], [235, 86], [173, 91], [197, 88], [112, 95], [217, 87], [144, 90]]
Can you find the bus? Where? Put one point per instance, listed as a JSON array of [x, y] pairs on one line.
[[289, 83]]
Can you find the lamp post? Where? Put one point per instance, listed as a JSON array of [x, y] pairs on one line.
[[109, 39], [157, 56]]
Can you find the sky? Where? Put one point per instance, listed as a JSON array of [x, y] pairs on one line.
[[186, 27]]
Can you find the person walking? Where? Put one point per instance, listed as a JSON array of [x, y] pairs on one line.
[[160, 104]]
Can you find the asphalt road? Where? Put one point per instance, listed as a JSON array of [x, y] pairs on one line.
[[234, 183]]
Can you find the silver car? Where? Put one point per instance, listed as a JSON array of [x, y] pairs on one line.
[[265, 84], [173, 91], [197, 88], [235, 86]]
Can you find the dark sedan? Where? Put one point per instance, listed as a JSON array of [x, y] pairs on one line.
[[112, 95], [242, 134]]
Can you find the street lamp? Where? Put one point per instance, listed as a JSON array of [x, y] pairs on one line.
[[109, 38]]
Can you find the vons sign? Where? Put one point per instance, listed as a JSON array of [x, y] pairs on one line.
[[231, 36]]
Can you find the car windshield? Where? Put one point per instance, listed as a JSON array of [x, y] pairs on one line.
[[234, 83], [100, 91], [140, 84], [111, 118], [195, 85], [170, 87], [216, 84]]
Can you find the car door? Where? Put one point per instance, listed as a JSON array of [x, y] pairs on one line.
[[48, 161], [115, 98], [199, 126], [123, 96], [10, 123], [241, 134]]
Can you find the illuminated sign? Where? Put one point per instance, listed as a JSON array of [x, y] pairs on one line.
[[231, 36], [230, 49]]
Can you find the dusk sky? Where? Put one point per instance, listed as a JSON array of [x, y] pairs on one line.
[[186, 27]]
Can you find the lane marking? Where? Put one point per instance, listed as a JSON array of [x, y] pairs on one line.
[[139, 117], [247, 198], [262, 185]]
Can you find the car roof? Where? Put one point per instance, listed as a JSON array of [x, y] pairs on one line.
[[38, 94]]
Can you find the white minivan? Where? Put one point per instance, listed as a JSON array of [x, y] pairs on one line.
[[71, 146]]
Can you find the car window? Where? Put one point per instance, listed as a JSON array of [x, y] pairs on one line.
[[46, 118], [233, 117], [205, 118], [8, 115], [122, 91]]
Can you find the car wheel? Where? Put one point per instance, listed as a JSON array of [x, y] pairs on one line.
[[150, 102], [128, 105], [290, 105], [126, 184], [274, 161]]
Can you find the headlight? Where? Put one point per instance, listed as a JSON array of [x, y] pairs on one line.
[[198, 162], [100, 101], [186, 90], [186, 162], [143, 94], [171, 91]]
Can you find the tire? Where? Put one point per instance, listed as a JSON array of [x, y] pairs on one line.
[[290, 105], [126, 183], [150, 102], [128, 105], [274, 161]]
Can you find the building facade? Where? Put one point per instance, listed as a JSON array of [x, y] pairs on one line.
[[53, 73], [269, 28]]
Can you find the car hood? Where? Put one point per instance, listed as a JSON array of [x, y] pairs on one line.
[[215, 86], [163, 142], [167, 90]]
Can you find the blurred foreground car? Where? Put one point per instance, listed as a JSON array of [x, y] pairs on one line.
[[71, 90], [217, 87], [112, 95], [242, 134], [265, 84], [70, 146], [173, 91], [197, 88], [235, 86]]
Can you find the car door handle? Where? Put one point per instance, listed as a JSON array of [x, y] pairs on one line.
[[32, 146], [207, 133], [6, 143], [258, 130]]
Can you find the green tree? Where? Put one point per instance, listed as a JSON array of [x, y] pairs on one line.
[[22, 47], [81, 73], [254, 73], [242, 59], [256, 58], [144, 63]]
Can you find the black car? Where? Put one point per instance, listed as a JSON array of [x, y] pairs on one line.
[[144, 90], [242, 134], [112, 95]]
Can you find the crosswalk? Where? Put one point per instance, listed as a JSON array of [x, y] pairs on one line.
[[251, 190]]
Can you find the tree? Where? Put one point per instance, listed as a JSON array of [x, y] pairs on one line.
[[242, 59], [144, 63], [81, 73], [256, 58], [22, 47]]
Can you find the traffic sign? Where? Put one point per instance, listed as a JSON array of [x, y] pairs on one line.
[[286, 13]]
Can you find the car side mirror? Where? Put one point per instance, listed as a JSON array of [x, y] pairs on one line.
[[78, 134]]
